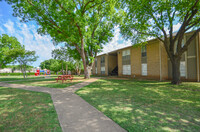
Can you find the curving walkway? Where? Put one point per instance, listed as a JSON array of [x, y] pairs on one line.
[[74, 114]]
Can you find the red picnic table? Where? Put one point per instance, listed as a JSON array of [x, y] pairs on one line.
[[64, 77]]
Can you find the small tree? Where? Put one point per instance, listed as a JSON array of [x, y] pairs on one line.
[[25, 59], [10, 48], [47, 63], [55, 67], [61, 55], [156, 18]]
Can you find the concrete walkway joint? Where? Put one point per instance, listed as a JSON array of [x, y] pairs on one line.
[[74, 114]]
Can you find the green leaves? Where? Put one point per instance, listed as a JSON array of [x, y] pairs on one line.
[[10, 48]]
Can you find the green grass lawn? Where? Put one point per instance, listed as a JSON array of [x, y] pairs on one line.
[[20, 78], [51, 83], [146, 105], [22, 110]]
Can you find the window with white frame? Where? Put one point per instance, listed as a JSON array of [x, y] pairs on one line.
[[103, 65], [144, 60], [182, 63], [126, 62], [182, 69], [96, 65]]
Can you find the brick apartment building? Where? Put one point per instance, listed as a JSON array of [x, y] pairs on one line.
[[150, 61]]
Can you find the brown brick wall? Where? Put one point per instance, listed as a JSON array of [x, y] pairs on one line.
[[153, 60], [164, 62], [119, 62], [136, 62], [106, 65]]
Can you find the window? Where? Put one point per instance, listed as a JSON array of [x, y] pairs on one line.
[[126, 62], [126, 69], [102, 61], [103, 70], [144, 60], [144, 69], [103, 65], [144, 51], [182, 69]]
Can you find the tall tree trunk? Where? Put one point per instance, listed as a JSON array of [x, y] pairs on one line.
[[176, 79], [62, 68], [25, 71], [21, 67], [87, 76]]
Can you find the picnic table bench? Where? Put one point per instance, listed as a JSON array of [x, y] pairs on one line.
[[64, 78]]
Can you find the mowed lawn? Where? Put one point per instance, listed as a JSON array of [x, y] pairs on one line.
[[20, 78], [146, 105], [22, 110], [51, 83]]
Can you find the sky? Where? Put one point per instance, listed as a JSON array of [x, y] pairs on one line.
[[26, 33]]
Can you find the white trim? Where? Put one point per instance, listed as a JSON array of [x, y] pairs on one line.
[[197, 47]]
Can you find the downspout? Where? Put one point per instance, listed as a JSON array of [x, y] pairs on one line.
[[160, 61]]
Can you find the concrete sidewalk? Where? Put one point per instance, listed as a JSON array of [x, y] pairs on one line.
[[75, 114]]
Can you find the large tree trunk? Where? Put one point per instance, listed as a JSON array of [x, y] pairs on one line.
[[176, 79]]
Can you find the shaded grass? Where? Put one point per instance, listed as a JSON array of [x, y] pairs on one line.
[[146, 105], [51, 83], [22, 110], [20, 78]]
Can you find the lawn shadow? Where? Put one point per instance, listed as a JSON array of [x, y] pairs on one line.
[[146, 105]]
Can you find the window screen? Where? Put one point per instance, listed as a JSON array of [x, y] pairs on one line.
[[144, 60], [126, 69], [126, 59], [126, 62], [103, 70], [182, 69], [103, 61]]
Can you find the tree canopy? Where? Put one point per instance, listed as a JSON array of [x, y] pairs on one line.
[[10, 48], [83, 25], [24, 59], [157, 18]]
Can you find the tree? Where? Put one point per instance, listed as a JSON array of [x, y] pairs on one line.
[[61, 55], [82, 24], [10, 48], [25, 59], [156, 18], [47, 63], [78, 66], [55, 67]]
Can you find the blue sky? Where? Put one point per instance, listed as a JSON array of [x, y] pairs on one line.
[[26, 33]]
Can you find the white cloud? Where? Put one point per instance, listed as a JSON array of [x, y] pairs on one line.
[[176, 27], [27, 35], [116, 43], [1, 30], [9, 26]]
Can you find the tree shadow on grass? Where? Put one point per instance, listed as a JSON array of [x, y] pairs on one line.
[[22, 110], [146, 105]]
